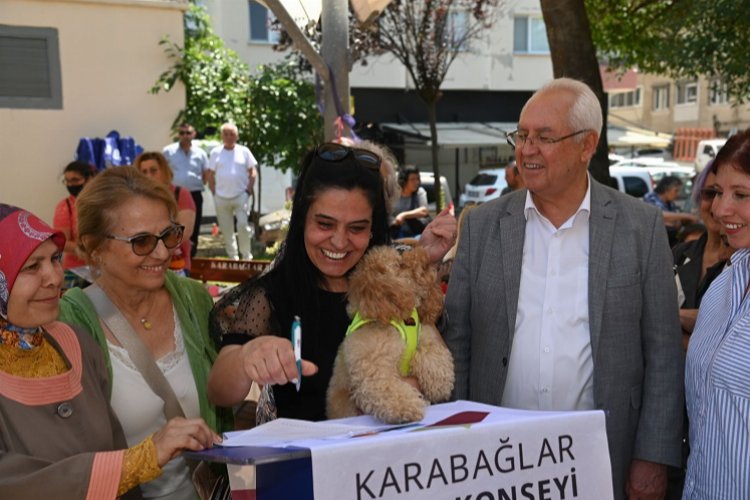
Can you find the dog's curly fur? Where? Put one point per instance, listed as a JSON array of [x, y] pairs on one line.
[[387, 285]]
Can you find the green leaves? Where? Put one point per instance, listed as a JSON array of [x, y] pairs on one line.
[[677, 38], [216, 80], [283, 116]]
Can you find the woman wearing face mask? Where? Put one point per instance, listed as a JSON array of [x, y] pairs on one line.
[[75, 176]]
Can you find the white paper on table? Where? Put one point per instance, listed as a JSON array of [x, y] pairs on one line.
[[284, 432]]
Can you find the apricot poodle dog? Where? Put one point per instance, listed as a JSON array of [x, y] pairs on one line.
[[386, 286]]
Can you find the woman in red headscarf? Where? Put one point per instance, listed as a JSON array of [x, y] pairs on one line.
[[59, 437]]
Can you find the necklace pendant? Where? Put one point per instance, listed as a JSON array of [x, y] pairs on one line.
[[146, 324]]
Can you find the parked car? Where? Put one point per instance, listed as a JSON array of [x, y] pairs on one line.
[[427, 181], [485, 186], [635, 181], [706, 151], [658, 168]]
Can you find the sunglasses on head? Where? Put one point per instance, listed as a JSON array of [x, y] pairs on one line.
[[144, 244], [330, 151], [708, 194]]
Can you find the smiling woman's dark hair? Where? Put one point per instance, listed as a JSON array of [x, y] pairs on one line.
[[318, 176]]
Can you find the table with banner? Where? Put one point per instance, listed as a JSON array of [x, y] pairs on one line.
[[460, 450]]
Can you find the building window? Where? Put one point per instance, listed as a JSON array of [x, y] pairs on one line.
[[260, 20], [625, 99], [529, 35], [29, 68], [687, 92], [460, 22], [717, 93], [660, 97]]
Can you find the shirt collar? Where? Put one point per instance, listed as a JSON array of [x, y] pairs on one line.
[[585, 205]]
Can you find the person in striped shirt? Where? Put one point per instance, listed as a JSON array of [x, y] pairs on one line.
[[717, 372]]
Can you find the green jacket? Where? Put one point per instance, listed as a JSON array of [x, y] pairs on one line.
[[193, 304]]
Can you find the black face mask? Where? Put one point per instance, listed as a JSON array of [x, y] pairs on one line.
[[74, 190]]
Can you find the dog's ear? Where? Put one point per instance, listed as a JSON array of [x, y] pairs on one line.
[[379, 289], [424, 277]]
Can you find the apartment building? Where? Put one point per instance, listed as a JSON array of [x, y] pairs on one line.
[[660, 103], [78, 68], [482, 94]]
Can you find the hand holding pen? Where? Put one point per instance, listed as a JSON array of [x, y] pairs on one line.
[[269, 359]]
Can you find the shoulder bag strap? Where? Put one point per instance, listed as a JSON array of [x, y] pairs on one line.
[[113, 319]]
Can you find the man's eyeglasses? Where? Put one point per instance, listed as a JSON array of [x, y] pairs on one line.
[[708, 194], [519, 139], [184, 132], [330, 151], [144, 244]]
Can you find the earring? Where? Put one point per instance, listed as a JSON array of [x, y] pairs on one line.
[[370, 235]]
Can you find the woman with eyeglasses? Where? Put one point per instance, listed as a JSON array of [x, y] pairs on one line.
[[75, 176], [338, 213], [699, 262], [154, 165], [717, 370], [141, 314], [59, 437]]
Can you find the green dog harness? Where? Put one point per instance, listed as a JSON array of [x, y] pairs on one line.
[[409, 330]]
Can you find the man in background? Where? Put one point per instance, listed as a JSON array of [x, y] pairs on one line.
[[513, 178], [231, 178], [189, 164]]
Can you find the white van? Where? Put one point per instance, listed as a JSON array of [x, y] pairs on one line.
[[635, 181], [706, 151]]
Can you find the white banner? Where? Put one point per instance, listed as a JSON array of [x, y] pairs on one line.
[[503, 455]]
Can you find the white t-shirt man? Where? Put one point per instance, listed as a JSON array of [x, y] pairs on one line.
[[230, 167]]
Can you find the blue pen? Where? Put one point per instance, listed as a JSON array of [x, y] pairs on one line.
[[297, 343]]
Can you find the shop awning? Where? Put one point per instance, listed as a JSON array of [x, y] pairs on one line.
[[473, 134], [619, 136], [455, 134]]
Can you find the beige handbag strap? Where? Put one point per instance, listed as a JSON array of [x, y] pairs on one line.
[[113, 319]]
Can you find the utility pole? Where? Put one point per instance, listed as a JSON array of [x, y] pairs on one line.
[[335, 52], [335, 55]]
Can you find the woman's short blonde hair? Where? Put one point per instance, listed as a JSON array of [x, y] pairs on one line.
[[159, 158], [105, 194]]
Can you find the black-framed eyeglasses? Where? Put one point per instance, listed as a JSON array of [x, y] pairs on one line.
[[333, 152], [519, 139], [708, 194], [144, 243], [184, 132]]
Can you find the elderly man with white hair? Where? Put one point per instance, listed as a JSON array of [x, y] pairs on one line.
[[231, 178]]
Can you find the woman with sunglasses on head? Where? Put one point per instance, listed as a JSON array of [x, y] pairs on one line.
[[699, 262], [59, 437], [128, 230], [338, 213], [154, 165]]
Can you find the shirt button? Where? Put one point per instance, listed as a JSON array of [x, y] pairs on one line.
[[65, 410], [546, 349], [545, 389]]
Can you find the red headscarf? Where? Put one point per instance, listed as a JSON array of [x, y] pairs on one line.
[[21, 232]]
